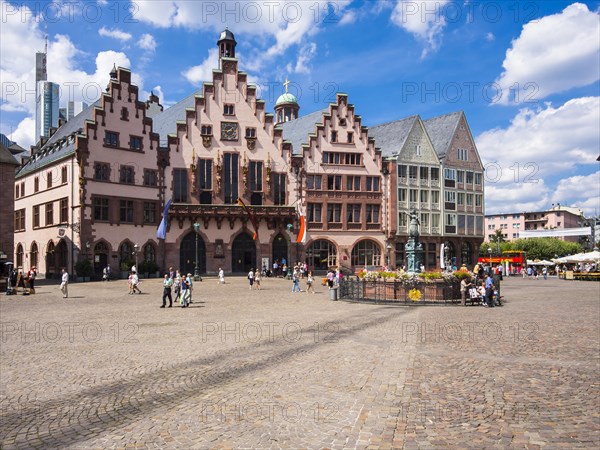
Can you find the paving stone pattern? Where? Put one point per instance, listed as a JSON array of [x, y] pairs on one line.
[[272, 369]]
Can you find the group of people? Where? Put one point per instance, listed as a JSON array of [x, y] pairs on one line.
[[533, 273], [299, 272], [485, 287], [180, 285], [17, 278]]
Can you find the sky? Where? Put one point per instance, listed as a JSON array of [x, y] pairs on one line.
[[526, 73]]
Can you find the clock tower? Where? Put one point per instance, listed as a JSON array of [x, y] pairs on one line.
[[226, 44]]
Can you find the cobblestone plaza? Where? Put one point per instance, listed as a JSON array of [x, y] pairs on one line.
[[272, 369]]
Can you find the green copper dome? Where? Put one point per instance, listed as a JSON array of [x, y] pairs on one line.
[[286, 98]]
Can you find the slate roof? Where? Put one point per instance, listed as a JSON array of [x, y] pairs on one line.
[[441, 129], [6, 157], [53, 151], [165, 122], [297, 131], [390, 137]]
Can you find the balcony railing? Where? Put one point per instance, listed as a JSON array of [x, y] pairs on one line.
[[413, 205], [435, 183], [402, 180], [413, 181], [435, 230], [424, 182], [435, 206]]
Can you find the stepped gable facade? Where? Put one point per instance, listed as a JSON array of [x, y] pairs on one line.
[[91, 192], [97, 187], [341, 187]]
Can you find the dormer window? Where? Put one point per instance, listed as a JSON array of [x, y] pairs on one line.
[[229, 110], [418, 150]]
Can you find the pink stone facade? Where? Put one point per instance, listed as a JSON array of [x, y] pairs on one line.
[[115, 166]]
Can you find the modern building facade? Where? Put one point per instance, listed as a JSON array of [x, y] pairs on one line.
[[47, 108], [96, 188], [558, 217]]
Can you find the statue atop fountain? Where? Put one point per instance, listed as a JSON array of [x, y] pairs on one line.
[[414, 249]]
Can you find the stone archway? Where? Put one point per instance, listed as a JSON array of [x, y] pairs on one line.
[[322, 254], [187, 254], [243, 254], [366, 253], [280, 248]]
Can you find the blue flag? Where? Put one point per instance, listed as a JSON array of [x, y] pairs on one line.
[[161, 232]]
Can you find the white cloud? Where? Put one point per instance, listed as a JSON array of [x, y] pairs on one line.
[[423, 19], [20, 40], [276, 25], [102, 2], [147, 42], [582, 191], [537, 147], [203, 72], [553, 54], [349, 17], [306, 54], [490, 37], [516, 197], [24, 134], [115, 33]]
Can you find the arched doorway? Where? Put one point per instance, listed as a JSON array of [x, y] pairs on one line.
[[280, 249], [100, 257], [51, 269], [62, 255], [366, 253], [322, 254], [187, 254], [33, 260], [466, 254], [243, 253]]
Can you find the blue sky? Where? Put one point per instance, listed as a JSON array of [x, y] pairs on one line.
[[525, 73]]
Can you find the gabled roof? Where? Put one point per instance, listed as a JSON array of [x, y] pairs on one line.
[[54, 149], [6, 157], [390, 137], [441, 129], [297, 131], [165, 122]]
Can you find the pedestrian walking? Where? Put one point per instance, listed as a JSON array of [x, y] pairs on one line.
[[330, 277], [190, 282], [184, 292], [489, 291], [221, 276], [167, 285], [464, 286], [545, 273], [310, 283], [135, 282], [296, 280], [64, 285], [251, 278], [31, 277], [257, 278], [177, 286]]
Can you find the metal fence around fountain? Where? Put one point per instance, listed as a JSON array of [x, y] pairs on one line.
[[397, 292]]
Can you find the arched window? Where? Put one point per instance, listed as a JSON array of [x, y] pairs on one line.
[[33, 255], [125, 253], [19, 255], [149, 253], [366, 253]]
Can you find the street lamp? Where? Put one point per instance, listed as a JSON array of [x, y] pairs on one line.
[[136, 247], [389, 250], [197, 268], [490, 250]]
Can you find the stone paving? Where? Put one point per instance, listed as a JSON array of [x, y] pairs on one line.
[[272, 369]]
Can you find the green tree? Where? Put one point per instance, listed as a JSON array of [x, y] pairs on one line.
[[536, 248]]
